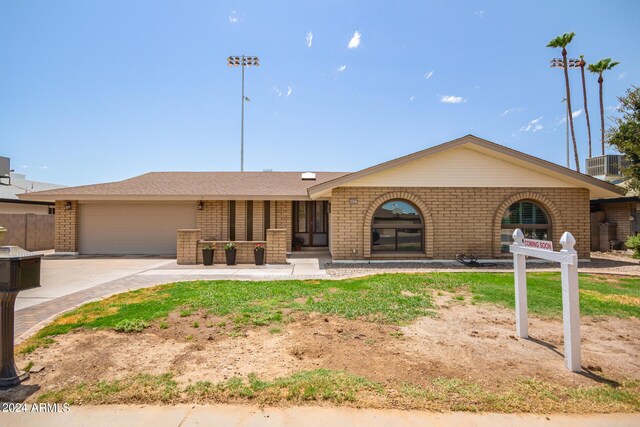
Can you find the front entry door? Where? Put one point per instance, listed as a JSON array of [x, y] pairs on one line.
[[311, 222]]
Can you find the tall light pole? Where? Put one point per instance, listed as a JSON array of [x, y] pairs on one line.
[[571, 63], [242, 61], [566, 109]]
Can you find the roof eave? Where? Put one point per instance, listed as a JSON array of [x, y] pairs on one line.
[[158, 197]]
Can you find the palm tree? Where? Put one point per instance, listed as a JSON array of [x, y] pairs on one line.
[[599, 68], [562, 41], [584, 94]]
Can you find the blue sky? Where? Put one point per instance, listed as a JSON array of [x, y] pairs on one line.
[[105, 90]]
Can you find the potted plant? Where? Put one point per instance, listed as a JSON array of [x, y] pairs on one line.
[[297, 243], [258, 252], [207, 254], [230, 253]]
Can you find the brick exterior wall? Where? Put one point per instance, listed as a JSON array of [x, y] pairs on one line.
[[619, 214], [66, 234], [283, 219], [213, 219], [258, 220], [277, 246], [241, 218], [464, 220], [272, 214]]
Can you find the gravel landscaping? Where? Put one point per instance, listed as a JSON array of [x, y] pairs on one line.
[[618, 262]]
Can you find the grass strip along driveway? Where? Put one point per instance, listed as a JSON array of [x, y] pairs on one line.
[[392, 299]]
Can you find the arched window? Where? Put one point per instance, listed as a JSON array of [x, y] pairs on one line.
[[397, 226], [531, 218]]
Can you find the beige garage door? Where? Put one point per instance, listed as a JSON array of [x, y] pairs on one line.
[[133, 228]]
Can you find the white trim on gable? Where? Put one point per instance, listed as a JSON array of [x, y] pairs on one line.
[[468, 162]]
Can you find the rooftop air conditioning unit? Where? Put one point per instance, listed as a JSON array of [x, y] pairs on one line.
[[608, 167]]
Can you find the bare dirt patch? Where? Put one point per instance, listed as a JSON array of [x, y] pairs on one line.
[[475, 343], [478, 342]]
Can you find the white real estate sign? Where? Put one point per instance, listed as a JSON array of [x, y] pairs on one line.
[[568, 259]]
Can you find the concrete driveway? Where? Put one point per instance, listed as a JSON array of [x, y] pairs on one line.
[[64, 276], [69, 282]]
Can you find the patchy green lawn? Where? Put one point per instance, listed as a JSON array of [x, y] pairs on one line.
[[386, 298], [342, 388], [600, 295], [389, 299]]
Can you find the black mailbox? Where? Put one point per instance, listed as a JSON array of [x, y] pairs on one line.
[[19, 270]]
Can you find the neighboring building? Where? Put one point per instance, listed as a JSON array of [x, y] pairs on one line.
[[467, 195], [613, 220], [30, 224], [12, 184]]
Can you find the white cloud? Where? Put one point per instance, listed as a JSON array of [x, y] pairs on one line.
[[511, 110], [33, 167], [479, 13], [355, 41], [342, 68], [533, 126], [234, 18], [428, 74], [279, 92], [309, 39], [412, 98], [450, 99], [574, 115]]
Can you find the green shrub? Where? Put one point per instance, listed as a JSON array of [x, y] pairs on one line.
[[633, 242], [131, 325]]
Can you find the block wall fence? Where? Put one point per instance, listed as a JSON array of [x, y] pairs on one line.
[[30, 231], [190, 245]]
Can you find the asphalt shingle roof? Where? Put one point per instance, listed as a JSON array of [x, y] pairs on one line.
[[196, 184]]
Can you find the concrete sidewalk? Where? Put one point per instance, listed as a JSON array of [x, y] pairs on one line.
[[237, 415], [296, 268]]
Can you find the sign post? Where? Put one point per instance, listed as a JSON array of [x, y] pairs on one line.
[[568, 259]]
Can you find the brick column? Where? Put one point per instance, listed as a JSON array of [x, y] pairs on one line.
[[187, 249], [66, 237], [276, 246], [283, 219]]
